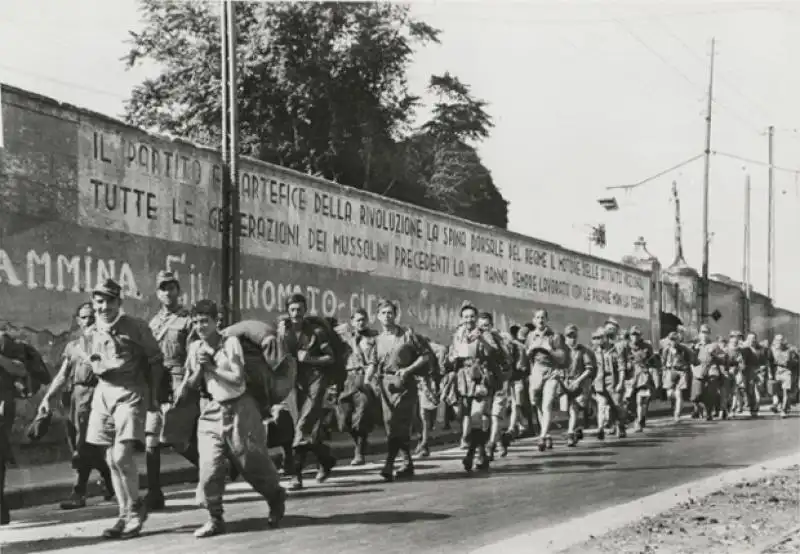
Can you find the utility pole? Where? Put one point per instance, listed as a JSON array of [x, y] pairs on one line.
[[225, 208], [746, 260], [706, 176], [229, 270], [233, 155], [770, 219]]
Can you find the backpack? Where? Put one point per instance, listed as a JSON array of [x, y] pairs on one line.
[[338, 371]]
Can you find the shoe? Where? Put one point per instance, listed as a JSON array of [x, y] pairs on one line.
[[579, 433], [387, 473], [601, 434], [296, 484], [135, 521], [115, 531], [325, 469], [211, 528], [74, 502], [404, 474], [549, 442], [467, 463], [571, 440], [277, 508]]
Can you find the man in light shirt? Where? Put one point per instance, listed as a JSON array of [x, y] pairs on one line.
[[230, 424]]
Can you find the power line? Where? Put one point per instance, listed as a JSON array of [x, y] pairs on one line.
[[657, 175], [756, 162]]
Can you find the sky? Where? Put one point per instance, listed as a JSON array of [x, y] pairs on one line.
[[584, 97]]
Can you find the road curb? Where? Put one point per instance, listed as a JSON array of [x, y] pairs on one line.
[[51, 493], [579, 530]]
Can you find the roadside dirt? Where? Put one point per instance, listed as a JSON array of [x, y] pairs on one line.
[[762, 516]]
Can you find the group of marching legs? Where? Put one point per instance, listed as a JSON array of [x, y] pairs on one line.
[[183, 382]]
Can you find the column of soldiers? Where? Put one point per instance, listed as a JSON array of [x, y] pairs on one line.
[[126, 380]]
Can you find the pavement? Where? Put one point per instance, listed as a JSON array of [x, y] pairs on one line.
[[51, 483], [443, 509]]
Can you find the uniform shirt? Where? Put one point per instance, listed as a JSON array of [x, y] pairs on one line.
[[79, 369], [127, 350], [676, 358], [543, 348], [171, 330], [609, 370], [311, 338], [784, 358], [580, 359], [229, 356]]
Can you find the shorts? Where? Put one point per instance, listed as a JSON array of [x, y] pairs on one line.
[[698, 390], [674, 379], [580, 396], [154, 427], [502, 400], [476, 406], [118, 415], [784, 379], [539, 375], [519, 391]]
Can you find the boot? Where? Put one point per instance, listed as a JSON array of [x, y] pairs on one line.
[[472, 445], [571, 440], [505, 442], [407, 471], [393, 447], [155, 497], [483, 458], [621, 432], [74, 502]]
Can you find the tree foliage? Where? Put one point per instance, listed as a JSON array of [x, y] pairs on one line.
[[322, 89]]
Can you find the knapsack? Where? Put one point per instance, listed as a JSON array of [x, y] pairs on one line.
[[338, 372]]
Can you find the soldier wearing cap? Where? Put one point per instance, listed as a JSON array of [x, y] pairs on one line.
[[619, 341], [128, 362], [579, 374], [608, 383], [784, 375], [735, 366], [676, 360], [758, 362], [645, 366], [709, 360], [171, 327]]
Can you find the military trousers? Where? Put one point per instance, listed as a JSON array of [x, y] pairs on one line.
[[233, 430]]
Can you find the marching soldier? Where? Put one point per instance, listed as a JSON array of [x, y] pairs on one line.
[[127, 360], [545, 353], [784, 374], [171, 327], [357, 403], [709, 361], [230, 425], [645, 365], [676, 360], [757, 365], [736, 365], [580, 373], [311, 346], [609, 383], [77, 377]]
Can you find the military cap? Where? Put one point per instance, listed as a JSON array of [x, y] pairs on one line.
[[705, 328], [735, 333], [612, 321], [599, 333], [673, 336], [571, 328], [165, 277], [635, 330], [109, 287]]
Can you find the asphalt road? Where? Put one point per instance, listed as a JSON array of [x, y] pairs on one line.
[[443, 509]]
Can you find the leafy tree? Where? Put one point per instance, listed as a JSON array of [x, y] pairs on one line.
[[322, 89]]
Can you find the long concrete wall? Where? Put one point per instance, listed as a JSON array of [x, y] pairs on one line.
[[85, 197]]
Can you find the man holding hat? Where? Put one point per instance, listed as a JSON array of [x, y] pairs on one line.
[[128, 362], [171, 327]]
